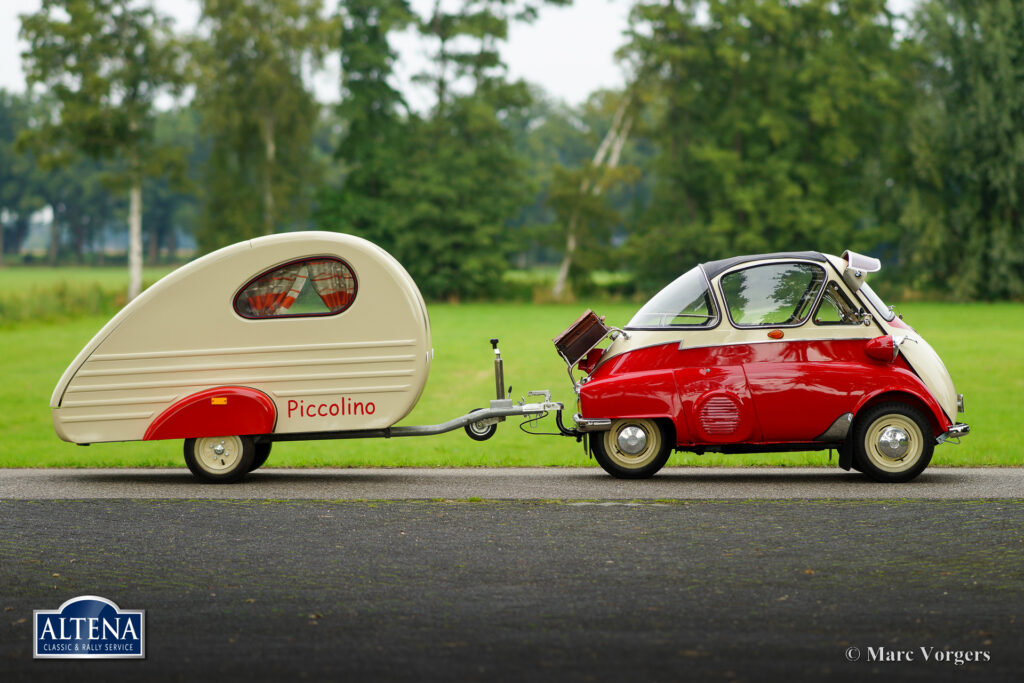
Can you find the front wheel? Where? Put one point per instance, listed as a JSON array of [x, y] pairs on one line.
[[632, 449], [480, 431], [220, 459], [892, 442]]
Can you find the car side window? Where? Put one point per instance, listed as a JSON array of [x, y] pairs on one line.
[[309, 287], [835, 308], [772, 294]]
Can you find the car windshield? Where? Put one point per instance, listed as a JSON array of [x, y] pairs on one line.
[[876, 302], [686, 302]]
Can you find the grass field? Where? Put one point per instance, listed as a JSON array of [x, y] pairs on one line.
[[982, 344], [108, 277], [40, 293]]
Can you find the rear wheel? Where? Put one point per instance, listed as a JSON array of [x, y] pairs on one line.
[[220, 459], [633, 448], [892, 442]]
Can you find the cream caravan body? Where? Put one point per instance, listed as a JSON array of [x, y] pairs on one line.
[[360, 363]]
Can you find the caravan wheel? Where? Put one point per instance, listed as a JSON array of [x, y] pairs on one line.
[[262, 453], [220, 459]]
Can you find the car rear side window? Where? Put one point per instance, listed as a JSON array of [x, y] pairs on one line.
[[773, 294], [835, 308], [316, 286], [686, 302]]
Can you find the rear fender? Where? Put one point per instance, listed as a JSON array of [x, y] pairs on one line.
[[652, 395], [223, 411]]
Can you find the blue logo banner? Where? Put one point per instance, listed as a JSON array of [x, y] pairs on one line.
[[89, 627]]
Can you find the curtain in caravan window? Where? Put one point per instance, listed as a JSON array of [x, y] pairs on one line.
[[266, 296], [294, 291], [333, 281]]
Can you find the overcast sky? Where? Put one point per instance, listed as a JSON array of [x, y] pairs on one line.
[[568, 51]]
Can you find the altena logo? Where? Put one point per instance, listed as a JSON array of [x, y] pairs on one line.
[[89, 627]]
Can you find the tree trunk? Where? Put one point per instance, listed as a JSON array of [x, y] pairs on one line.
[[54, 249], [270, 155], [172, 245], [153, 248], [563, 270], [613, 142], [135, 237]]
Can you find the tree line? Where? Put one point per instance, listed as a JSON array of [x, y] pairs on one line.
[[745, 126]]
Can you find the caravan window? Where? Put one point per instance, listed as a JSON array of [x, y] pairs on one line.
[[310, 287]]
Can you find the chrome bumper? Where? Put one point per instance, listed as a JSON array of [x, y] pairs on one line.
[[955, 432], [591, 425]]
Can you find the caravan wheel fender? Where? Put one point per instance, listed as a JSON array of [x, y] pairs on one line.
[[216, 412]]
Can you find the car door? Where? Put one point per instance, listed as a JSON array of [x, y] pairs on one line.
[[803, 341]]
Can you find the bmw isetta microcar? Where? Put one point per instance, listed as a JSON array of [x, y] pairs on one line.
[[771, 352]]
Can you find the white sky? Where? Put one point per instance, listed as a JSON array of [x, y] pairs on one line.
[[568, 51]]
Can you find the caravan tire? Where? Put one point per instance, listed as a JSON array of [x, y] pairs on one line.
[[220, 459]]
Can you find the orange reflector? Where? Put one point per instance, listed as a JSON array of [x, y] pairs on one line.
[[219, 400], [775, 334]]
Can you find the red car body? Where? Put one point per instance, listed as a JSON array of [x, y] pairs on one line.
[[786, 351]]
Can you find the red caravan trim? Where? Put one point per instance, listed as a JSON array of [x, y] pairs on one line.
[[224, 411]]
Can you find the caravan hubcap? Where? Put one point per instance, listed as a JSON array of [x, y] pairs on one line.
[[219, 453]]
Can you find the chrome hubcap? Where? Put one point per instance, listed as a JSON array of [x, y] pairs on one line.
[[893, 443], [632, 440]]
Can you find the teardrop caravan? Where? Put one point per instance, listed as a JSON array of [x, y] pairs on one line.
[[291, 333]]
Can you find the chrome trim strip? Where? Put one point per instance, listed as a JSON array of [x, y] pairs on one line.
[[222, 381], [252, 349], [207, 367], [119, 401], [107, 418], [341, 390]]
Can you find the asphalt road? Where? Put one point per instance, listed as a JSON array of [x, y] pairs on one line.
[[440, 575], [514, 591], [511, 484]]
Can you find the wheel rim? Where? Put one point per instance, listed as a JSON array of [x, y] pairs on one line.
[[218, 454], [479, 428], [894, 443], [633, 444]]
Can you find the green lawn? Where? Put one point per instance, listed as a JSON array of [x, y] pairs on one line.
[[108, 277], [982, 344]]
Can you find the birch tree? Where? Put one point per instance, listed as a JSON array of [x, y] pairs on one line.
[[255, 59], [105, 62]]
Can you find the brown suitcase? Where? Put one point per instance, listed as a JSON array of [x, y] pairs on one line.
[[580, 337]]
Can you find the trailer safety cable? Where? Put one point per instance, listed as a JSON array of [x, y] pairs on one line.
[[522, 426]]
